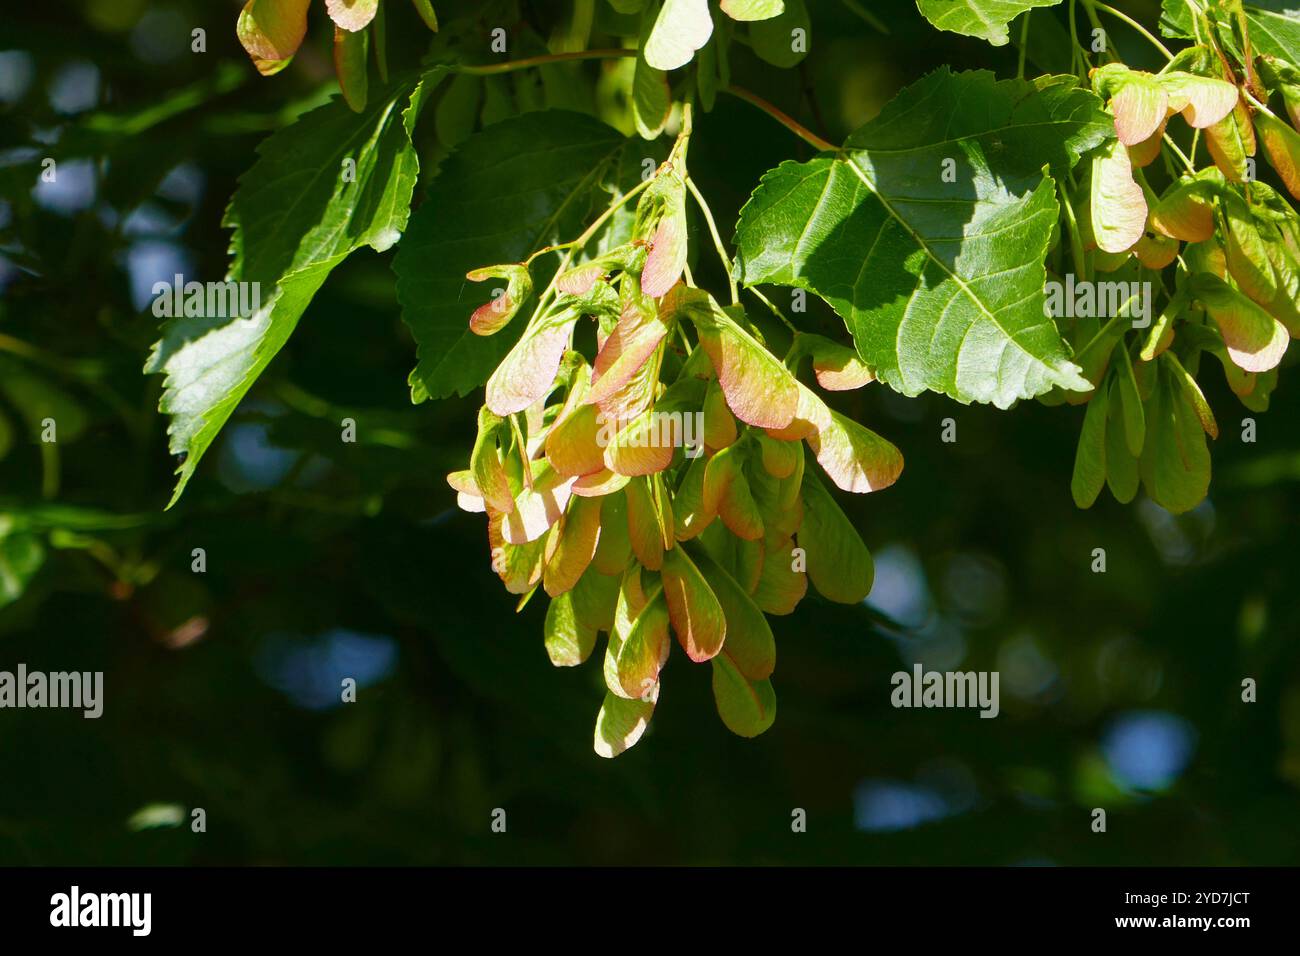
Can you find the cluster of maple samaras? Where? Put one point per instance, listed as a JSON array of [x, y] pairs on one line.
[[590, 493], [1147, 419], [272, 30]]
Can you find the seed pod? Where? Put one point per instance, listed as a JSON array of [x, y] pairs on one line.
[[854, 457], [1285, 306], [1202, 100], [839, 564], [836, 366], [485, 464], [636, 448], [1146, 152], [727, 493], [778, 503], [621, 723], [1244, 249], [690, 516], [1156, 251], [1134, 421], [1282, 77], [661, 220], [1194, 396], [581, 279], [780, 587], [694, 609], [1231, 141], [1117, 207], [568, 640], [599, 484], [750, 646], [1207, 257], [746, 707], [1109, 79], [779, 457], [528, 371], [1175, 464], [1186, 211], [1140, 106], [760, 391], [1282, 146], [575, 545], [493, 316], [271, 31], [740, 558], [644, 651], [537, 506], [518, 566], [719, 424], [641, 328], [643, 523], [1255, 340], [351, 50], [1090, 455], [425, 9], [1122, 476], [614, 547]]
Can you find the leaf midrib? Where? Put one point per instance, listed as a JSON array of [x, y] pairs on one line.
[[930, 254]]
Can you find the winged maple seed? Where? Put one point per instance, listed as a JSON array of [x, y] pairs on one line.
[[658, 487], [1237, 286], [273, 30]]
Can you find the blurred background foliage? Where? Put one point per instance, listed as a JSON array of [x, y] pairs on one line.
[[326, 560]]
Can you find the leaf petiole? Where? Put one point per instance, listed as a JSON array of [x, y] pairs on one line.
[[717, 239]]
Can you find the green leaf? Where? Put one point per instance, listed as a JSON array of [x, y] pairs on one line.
[[986, 19], [457, 110], [509, 190], [941, 283], [296, 216]]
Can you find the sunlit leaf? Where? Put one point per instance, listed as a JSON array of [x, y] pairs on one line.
[[986, 19], [941, 283]]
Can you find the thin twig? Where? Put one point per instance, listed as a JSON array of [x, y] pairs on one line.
[[489, 69], [789, 122], [717, 239], [1132, 23], [774, 310]]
